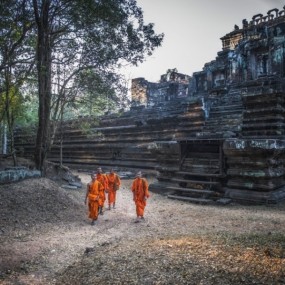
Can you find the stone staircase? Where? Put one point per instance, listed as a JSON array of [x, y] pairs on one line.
[[264, 114], [200, 176], [225, 117], [193, 187]]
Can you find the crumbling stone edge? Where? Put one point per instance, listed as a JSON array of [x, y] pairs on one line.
[[17, 174]]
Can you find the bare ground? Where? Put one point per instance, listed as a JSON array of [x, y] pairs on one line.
[[46, 238]]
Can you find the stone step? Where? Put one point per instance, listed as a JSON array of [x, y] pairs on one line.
[[190, 199], [226, 119], [212, 132], [221, 127], [216, 135], [191, 190], [226, 114], [203, 156], [256, 126], [227, 108], [196, 181], [201, 167], [263, 133], [267, 110], [267, 119], [199, 174]]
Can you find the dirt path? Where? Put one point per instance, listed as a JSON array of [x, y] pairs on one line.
[[46, 238]]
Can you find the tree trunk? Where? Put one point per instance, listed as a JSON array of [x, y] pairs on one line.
[[44, 81], [4, 139], [9, 113]]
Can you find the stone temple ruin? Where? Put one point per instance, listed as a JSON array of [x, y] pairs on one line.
[[215, 135]]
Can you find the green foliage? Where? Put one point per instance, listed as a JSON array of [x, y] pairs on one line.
[[30, 111], [16, 59], [88, 128], [104, 35], [95, 95], [74, 49], [89, 41], [11, 102]]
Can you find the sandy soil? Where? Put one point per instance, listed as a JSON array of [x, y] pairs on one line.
[[46, 238]]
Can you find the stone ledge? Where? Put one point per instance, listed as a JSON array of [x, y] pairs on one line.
[[17, 174]]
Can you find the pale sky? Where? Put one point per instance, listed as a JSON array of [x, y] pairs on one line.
[[193, 29]]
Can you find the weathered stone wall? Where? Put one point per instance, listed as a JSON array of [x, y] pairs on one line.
[[122, 140], [171, 86], [255, 166], [253, 51], [139, 91]]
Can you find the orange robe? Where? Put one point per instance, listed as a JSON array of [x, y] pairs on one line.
[[103, 180], [140, 191], [94, 189], [113, 179]]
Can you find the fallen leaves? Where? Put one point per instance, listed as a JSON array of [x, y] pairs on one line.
[[178, 260]]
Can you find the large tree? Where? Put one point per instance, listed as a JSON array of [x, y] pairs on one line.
[[84, 35]]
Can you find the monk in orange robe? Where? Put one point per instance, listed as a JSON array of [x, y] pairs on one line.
[[140, 195], [101, 177], [92, 194], [114, 183]]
